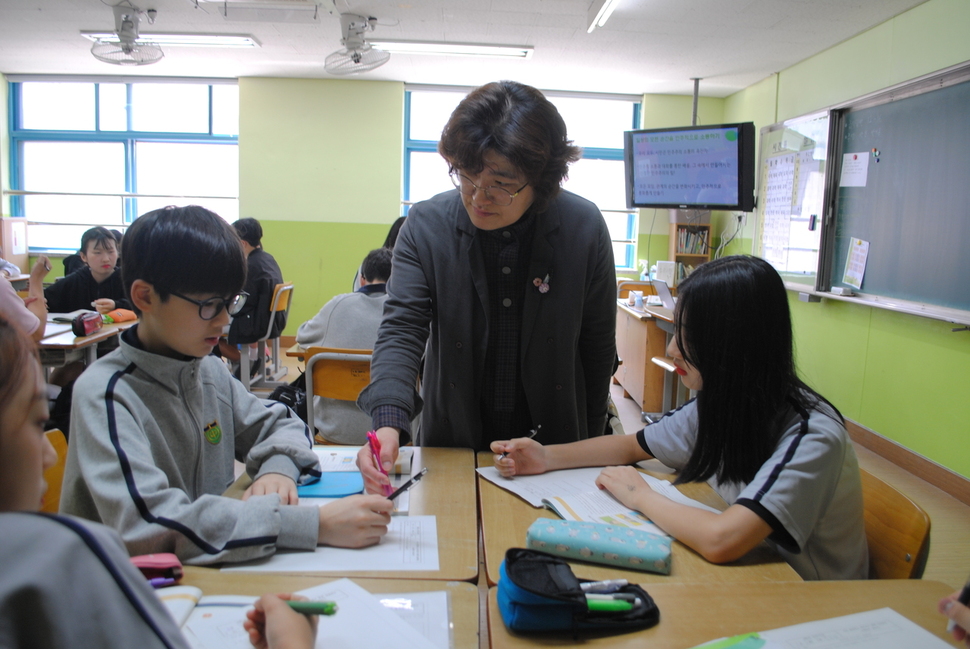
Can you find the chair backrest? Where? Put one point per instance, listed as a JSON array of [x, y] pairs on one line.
[[623, 288], [282, 296], [897, 531], [336, 373], [54, 476]]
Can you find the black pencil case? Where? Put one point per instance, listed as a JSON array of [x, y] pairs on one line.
[[539, 592]]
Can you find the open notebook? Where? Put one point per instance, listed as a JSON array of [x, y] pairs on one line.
[[414, 620]]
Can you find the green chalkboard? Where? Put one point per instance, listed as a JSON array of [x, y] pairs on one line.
[[913, 207]]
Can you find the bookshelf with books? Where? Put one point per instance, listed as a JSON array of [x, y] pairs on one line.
[[690, 246]]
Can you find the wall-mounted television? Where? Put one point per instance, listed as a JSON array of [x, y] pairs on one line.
[[691, 167]]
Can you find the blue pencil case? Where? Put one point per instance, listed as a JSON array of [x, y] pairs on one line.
[[613, 545], [539, 592], [333, 485]]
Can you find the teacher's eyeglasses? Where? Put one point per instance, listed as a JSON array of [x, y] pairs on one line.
[[497, 195], [209, 309]]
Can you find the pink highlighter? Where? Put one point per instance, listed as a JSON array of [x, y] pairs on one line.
[[375, 451]]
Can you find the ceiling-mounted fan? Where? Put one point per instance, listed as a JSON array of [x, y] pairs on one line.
[[126, 50], [357, 54]]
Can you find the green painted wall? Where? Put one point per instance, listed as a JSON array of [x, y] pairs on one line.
[[320, 165], [903, 376]]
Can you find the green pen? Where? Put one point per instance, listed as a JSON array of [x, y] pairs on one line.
[[313, 608], [603, 605]]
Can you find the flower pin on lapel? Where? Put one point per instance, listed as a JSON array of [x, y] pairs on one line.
[[542, 284]]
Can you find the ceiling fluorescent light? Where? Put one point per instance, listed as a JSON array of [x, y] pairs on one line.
[[187, 40], [454, 49], [600, 12], [270, 11]]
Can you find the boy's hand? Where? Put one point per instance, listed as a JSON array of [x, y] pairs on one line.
[[274, 483], [354, 521], [522, 456], [103, 305], [272, 624], [374, 480]]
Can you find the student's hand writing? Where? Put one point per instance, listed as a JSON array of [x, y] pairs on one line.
[[951, 608], [626, 484], [354, 521], [524, 457], [374, 480], [40, 269], [274, 483], [103, 305], [272, 624]]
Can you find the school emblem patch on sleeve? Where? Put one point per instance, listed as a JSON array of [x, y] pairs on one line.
[[212, 433]]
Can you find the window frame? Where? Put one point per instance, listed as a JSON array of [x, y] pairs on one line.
[[589, 153], [130, 138]]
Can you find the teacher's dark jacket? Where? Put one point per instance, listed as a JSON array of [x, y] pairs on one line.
[[438, 287]]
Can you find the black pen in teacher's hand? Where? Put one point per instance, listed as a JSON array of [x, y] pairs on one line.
[[407, 485]]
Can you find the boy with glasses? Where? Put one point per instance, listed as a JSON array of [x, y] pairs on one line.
[[158, 423]]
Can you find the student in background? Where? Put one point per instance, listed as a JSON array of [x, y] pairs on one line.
[[30, 313], [772, 447], [8, 269], [262, 276], [66, 582], [348, 321], [96, 286], [507, 282], [157, 424], [389, 242]]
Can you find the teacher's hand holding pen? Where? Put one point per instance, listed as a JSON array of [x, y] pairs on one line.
[[375, 480], [272, 624], [520, 456]]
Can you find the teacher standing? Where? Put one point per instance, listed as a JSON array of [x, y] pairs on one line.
[[504, 288]]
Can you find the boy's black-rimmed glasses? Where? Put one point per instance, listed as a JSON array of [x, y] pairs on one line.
[[209, 309]]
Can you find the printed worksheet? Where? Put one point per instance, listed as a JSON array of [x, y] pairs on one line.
[[411, 544]]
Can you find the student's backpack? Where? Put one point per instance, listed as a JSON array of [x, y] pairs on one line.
[[293, 395]]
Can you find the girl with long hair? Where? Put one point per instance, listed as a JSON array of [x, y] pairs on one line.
[[771, 446]]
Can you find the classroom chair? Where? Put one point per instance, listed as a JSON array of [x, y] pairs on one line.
[[54, 476], [272, 371], [335, 373], [897, 531]]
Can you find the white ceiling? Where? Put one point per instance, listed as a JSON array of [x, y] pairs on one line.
[[652, 46]]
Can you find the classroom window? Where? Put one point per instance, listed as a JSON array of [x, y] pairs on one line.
[[87, 153], [594, 123]]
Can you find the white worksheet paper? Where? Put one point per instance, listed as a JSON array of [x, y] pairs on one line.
[[573, 482], [411, 544], [882, 628], [362, 619]]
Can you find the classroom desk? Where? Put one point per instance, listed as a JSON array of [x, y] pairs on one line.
[[448, 493], [464, 596], [697, 613], [638, 339], [63, 348], [296, 351], [506, 517]]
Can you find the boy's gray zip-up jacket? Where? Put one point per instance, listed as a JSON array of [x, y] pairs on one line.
[[152, 445]]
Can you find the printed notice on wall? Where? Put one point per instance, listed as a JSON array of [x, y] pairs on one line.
[[855, 263], [855, 169]]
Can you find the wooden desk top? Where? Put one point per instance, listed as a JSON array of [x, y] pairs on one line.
[[660, 313], [506, 517], [446, 492], [296, 351], [632, 311], [697, 613], [67, 339], [464, 596]]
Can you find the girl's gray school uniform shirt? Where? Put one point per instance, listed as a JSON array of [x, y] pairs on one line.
[[809, 491]]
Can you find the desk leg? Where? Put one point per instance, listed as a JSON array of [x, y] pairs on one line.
[[92, 354]]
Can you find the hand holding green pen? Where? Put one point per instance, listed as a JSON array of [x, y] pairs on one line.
[[313, 608]]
